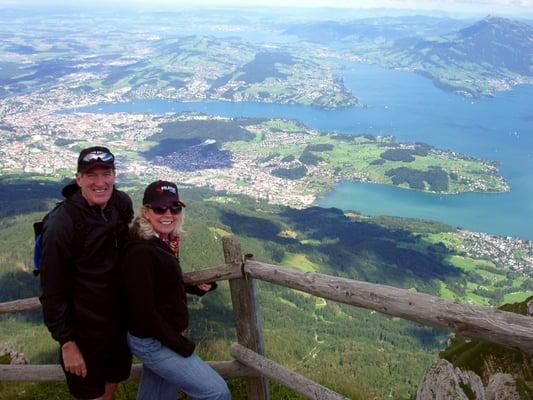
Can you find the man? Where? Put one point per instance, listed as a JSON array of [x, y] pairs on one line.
[[81, 291]]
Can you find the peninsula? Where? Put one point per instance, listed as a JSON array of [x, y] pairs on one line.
[[280, 160]]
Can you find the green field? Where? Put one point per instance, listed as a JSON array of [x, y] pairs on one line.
[[363, 158], [299, 261]]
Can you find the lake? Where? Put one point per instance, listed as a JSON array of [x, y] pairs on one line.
[[412, 109]]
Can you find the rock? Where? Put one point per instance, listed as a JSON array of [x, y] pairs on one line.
[[445, 382], [12, 357], [502, 387], [530, 307]]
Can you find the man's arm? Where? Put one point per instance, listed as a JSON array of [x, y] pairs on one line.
[[56, 288], [56, 285]]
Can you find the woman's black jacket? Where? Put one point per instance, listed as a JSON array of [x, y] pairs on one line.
[[157, 303]]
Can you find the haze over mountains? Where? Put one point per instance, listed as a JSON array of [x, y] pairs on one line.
[[496, 42], [473, 59], [374, 28]]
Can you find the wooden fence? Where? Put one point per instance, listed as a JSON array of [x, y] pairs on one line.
[[508, 329]]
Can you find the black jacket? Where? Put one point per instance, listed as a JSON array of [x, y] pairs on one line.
[[82, 296], [157, 303]]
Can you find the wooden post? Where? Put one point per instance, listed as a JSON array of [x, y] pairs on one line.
[[247, 316]]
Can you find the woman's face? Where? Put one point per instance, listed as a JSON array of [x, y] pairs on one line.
[[165, 222]]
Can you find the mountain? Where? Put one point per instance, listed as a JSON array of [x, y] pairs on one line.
[[479, 370], [490, 55], [370, 29], [493, 41]]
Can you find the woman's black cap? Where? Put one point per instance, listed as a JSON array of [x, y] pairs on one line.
[[161, 192]]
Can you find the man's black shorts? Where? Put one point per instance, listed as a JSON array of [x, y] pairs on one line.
[[107, 360]]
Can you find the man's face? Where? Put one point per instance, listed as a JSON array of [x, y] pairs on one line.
[[96, 185]]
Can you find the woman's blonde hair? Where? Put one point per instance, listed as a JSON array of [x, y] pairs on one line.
[[144, 229]]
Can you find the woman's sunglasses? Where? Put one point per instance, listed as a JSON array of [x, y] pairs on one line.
[[161, 209]]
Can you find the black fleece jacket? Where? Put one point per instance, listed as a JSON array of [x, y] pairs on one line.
[[82, 294], [156, 295]]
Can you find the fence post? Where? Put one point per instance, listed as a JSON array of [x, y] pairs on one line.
[[247, 315]]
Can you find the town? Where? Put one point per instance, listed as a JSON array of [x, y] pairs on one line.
[[505, 251]]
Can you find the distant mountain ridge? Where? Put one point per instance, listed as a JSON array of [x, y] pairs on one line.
[[498, 42], [389, 28], [473, 59], [491, 55]]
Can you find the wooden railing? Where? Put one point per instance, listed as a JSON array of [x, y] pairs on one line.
[[508, 329]]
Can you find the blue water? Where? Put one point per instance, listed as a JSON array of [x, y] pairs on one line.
[[411, 108]]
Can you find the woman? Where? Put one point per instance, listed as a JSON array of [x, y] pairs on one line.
[[157, 305]]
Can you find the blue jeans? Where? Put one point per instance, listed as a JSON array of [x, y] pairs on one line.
[[166, 372]]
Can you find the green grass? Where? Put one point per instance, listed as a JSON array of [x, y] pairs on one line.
[[446, 293], [516, 297], [243, 182], [474, 298], [219, 232], [299, 261], [283, 125], [469, 264], [450, 239]]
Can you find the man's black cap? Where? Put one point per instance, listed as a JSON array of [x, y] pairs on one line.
[[95, 156], [161, 192]]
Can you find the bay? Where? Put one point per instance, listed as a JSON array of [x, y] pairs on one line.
[[412, 109]]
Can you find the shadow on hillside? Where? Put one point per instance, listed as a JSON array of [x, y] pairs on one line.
[[24, 196], [255, 227], [370, 252], [353, 248]]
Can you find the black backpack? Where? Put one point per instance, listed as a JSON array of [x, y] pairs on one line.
[[38, 229], [80, 228]]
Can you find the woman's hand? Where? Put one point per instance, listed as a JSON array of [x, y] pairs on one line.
[[206, 287]]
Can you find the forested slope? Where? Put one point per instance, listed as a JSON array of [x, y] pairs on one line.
[[359, 353]]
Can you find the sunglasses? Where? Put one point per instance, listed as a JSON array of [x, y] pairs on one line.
[[98, 155], [162, 209]]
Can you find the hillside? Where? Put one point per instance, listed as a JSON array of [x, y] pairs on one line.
[[356, 352], [373, 29], [497, 42], [492, 54]]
